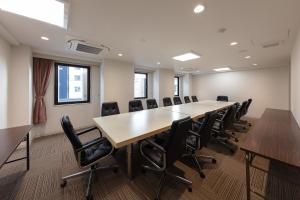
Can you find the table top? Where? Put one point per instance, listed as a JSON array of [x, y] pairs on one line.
[[10, 139], [198, 109], [276, 136], [127, 128]]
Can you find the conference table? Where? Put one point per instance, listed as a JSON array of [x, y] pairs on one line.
[[125, 129], [10, 139]]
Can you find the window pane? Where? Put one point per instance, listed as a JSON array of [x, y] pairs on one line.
[[176, 86], [72, 85], [140, 85]]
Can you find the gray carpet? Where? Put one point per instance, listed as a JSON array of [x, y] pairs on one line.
[[52, 157]]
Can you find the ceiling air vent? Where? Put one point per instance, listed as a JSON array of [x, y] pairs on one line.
[[271, 44], [88, 49], [82, 46]]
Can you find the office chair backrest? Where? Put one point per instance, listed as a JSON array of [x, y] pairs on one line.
[[110, 108], [177, 100], [229, 117], [222, 98], [187, 99], [151, 103], [167, 101], [248, 105], [240, 111], [205, 130], [70, 133], [135, 105], [176, 144], [194, 99]]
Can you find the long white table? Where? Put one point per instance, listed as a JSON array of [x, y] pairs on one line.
[[128, 128]]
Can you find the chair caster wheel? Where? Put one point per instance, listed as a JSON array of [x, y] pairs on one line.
[[202, 175], [63, 183], [236, 140], [232, 151], [214, 161], [115, 170], [190, 189], [233, 133], [143, 171], [89, 197]]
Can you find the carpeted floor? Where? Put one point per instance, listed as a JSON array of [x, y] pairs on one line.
[[52, 157]]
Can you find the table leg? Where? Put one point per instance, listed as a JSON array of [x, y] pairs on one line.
[[247, 158], [27, 151], [129, 161]]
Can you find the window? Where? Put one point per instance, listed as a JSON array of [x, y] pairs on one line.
[[140, 85], [176, 86], [72, 84]]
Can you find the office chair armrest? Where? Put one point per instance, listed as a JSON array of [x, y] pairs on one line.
[[198, 123], [160, 148], [194, 133], [88, 130], [89, 144]]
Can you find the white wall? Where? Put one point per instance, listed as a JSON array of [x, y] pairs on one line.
[[163, 84], [187, 83], [117, 83], [269, 88], [5, 51], [295, 79], [20, 87]]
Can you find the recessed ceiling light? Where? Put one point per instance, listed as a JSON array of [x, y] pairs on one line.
[[120, 54], [233, 43], [44, 38], [254, 64], [222, 69], [247, 57], [187, 56], [199, 8], [158, 63]]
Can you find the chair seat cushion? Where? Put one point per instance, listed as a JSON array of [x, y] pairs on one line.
[[96, 152], [192, 141]]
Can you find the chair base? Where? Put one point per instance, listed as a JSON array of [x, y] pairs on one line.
[[162, 180], [91, 172], [225, 142], [199, 159]]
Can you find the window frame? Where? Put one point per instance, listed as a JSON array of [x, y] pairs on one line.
[[56, 102], [177, 77], [146, 86]]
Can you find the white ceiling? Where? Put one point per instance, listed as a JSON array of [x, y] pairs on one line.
[[151, 31]]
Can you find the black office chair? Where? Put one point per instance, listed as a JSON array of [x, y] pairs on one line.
[[88, 155], [151, 103], [223, 126], [162, 155], [222, 98], [187, 99], [167, 101], [177, 100], [110, 108], [135, 105], [241, 111], [194, 99], [200, 139]]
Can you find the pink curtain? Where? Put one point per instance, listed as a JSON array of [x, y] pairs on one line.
[[41, 73]]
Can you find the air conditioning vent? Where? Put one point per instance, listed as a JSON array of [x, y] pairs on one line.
[[88, 49], [271, 44], [82, 46]]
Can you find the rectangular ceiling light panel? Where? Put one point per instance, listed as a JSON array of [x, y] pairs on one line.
[[223, 69], [49, 11], [187, 56]]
